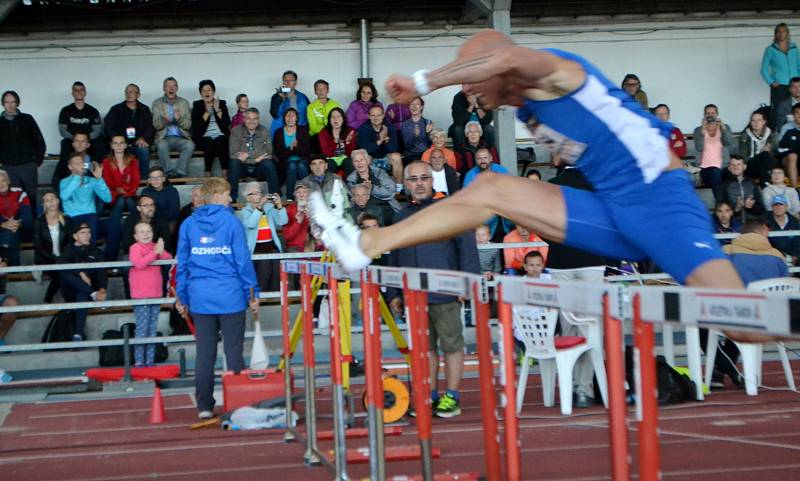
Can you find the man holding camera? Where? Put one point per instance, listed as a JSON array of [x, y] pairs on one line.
[[263, 215], [286, 96], [712, 139], [251, 154]]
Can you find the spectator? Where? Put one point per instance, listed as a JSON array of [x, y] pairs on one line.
[[781, 62], [134, 121], [780, 221], [741, 192], [172, 120], [489, 259], [789, 145], [483, 163], [188, 209], [296, 230], [438, 140], [724, 221], [216, 283], [467, 109], [79, 193], [415, 131], [15, 216], [146, 282], [755, 145], [331, 185], [677, 142], [21, 146], [473, 143], [380, 142], [242, 104], [783, 114], [514, 257], [146, 212], [50, 238], [711, 142], [458, 253], [534, 175], [363, 204], [121, 174], [251, 154], [320, 109], [285, 97], [86, 284], [211, 127], [262, 217], [7, 319], [80, 117], [292, 148], [382, 188], [168, 202], [337, 142], [369, 221], [358, 110], [445, 178], [777, 186], [633, 87], [396, 114], [80, 144]]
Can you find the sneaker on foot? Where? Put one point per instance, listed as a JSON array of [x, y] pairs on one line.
[[339, 235], [583, 401], [205, 414], [447, 407]]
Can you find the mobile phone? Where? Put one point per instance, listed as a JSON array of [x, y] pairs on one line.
[[285, 90]]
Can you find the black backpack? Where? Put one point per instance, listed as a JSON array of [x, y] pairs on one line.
[[673, 387], [114, 355], [61, 327]]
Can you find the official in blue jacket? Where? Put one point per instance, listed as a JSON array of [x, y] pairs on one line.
[[215, 284]]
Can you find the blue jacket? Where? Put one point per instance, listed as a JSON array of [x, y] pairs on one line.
[[215, 273], [168, 201], [282, 106], [368, 139], [754, 259], [780, 67], [473, 172], [250, 218], [78, 199]]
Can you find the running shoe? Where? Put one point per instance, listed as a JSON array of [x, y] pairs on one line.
[[339, 235], [205, 414], [447, 407]]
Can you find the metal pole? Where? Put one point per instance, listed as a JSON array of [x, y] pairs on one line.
[[126, 353], [288, 436], [364, 44], [649, 449], [617, 427], [369, 304], [513, 468], [339, 446], [310, 456]]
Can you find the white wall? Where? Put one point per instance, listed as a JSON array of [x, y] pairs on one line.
[[684, 64]]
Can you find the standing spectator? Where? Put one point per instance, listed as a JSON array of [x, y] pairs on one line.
[[211, 126], [677, 142], [755, 145], [250, 150], [380, 142], [467, 109], [172, 120], [80, 146], [337, 142], [483, 163], [415, 131], [396, 114], [445, 178], [146, 282], [285, 97], [168, 202], [331, 185], [358, 110], [712, 141], [79, 193], [121, 174], [514, 257], [438, 141], [777, 186], [15, 216], [80, 117], [458, 253], [724, 221], [215, 284], [242, 104], [262, 217], [86, 284], [50, 238], [789, 145], [633, 87], [489, 259], [320, 108], [382, 188], [780, 221], [21, 146], [134, 121], [474, 142], [292, 147], [781, 62], [296, 230], [741, 192]]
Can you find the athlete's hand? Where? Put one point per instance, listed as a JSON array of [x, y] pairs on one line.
[[401, 88]]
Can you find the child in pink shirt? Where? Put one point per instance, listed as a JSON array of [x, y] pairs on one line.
[[146, 282]]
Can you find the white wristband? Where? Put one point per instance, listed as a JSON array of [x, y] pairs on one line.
[[420, 78]]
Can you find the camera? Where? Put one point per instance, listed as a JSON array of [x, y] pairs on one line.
[[285, 90], [269, 197]]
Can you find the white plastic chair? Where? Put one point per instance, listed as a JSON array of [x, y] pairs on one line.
[[537, 328], [590, 329], [752, 352]]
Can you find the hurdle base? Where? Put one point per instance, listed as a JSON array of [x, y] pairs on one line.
[[441, 477], [391, 453]]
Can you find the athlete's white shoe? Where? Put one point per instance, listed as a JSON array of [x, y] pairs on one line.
[[339, 235]]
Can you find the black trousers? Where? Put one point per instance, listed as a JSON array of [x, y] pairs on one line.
[[207, 328], [215, 149]]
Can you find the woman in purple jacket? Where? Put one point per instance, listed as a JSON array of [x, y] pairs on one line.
[[358, 111]]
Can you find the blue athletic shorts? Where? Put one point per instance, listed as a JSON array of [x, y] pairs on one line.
[[664, 221]]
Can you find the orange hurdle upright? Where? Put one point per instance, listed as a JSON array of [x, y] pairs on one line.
[[615, 369], [649, 449], [513, 467]]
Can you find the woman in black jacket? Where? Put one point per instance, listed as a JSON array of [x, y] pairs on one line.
[[50, 237], [211, 127], [291, 146]]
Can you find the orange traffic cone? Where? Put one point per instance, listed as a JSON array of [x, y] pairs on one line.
[[157, 414]]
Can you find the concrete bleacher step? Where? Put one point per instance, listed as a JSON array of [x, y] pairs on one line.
[[29, 292]]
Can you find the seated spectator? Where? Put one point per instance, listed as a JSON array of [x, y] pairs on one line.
[[134, 121], [79, 193], [777, 186], [677, 142], [473, 143], [369, 221], [783, 112], [438, 140], [86, 284], [382, 188], [396, 114], [483, 163], [80, 117], [633, 87], [445, 178], [172, 121], [711, 142], [358, 110], [21, 146], [362, 203], [741, 192], [319, 110], [80, 144], [380, 142], [251, 154], [292, 146], [287, 96], [296, 230], [262, 217], [779, 221], [146, 212], [514, 257], [6, 319], [724, 221], [415, 132], [534, 175], [467, 109], [211, 127], [50, 238], [337, 142], [188, 209], [789, 145], [331, 185], [168, 202], [121, 174], [242, 104], [490, 261], [15, 216], [756, 143]]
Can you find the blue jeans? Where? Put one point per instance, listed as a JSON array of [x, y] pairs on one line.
[[712, 177], [185, 149], [296, 169], [146, 324], [114, 230], [10, 240], [142, 156], [264, 170]]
